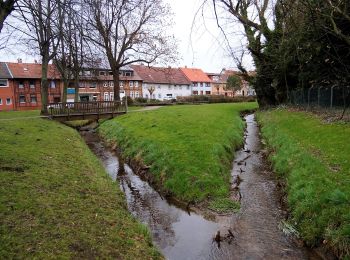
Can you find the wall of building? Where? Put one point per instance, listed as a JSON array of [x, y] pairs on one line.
[[201, 88], [165, 91], [27, 93], [6, 95]]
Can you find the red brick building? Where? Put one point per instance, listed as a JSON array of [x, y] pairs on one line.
[[26, 82], [6, 88], [96, 84]]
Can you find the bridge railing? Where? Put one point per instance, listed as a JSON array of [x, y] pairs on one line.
[[95, 107]]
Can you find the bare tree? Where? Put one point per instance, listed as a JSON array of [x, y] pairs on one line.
[[72, 51], [6, 7], [41, 19], [128, 32]]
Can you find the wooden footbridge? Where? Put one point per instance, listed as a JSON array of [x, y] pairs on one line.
[[86, 110]]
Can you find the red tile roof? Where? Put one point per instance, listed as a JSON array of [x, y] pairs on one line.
[[31, 71], [157, 75], [196, 75]]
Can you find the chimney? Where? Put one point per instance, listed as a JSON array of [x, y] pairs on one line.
[[19, 60], [35, 61]]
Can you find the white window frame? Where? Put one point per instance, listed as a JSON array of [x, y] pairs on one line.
[[21, 85], [7, 83], [0, 101], [52, 84], [8, 101], [31, 101], [19, 99]]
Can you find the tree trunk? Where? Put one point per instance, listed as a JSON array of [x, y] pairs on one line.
[[76, 87], [116, 87], [44, 85], [65, 87], [6, 7]]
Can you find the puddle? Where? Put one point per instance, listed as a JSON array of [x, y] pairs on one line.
[[186, 235]]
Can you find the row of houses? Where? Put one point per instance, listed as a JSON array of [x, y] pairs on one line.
[[20, 84]]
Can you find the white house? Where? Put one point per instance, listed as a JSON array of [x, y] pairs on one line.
[[201, 83], [163, 83]]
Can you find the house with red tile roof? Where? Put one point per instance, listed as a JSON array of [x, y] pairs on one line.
[[26, 83], [245, 90], [96, 84], [201, 83], [218, 85], [163, 83]]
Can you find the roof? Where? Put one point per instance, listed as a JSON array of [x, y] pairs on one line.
[[195, 75], [157, 75], [4, 71], [31, 71]]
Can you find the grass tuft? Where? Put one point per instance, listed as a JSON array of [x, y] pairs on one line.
[[224, 205]]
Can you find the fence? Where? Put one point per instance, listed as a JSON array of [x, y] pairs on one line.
[[323, 97]]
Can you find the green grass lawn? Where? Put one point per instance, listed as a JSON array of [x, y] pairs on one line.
[[189, 148], [314, 158], [56, 200]]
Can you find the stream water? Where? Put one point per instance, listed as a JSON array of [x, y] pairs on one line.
[[181, 234]]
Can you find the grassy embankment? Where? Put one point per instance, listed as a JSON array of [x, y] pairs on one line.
[[56, 200], [314, 158], [189, 148]]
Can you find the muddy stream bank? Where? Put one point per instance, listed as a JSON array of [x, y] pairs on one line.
[[253, 233]]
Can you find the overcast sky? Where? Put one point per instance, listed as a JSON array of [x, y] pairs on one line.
[[200, 42]]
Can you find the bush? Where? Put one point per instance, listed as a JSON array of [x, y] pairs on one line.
[[141, 100], [215, 99], [129, 100]]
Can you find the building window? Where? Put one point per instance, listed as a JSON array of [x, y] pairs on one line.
[[146, 95], [180, 87], [195, 92], [105, 84], [131, 83], [207, 92], [32, 98], [22, 98], [87, 73], [159, 95], [94, 98], [207, 85], [8, 101], [93, 85], [136, 83], [188, 87], [111, 83], [169, 87], [158, 86], [106, 97], [0, 101], [52, 84], [102, 73], [81, 85], [32, 84], [3, 83], [137, 94], [21, 84]]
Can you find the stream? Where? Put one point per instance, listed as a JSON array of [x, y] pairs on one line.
[[253, 233]]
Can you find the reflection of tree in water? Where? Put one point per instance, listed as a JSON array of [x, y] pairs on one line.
[[147, 205]]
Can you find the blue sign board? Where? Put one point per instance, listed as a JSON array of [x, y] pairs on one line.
[[70, 91]]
